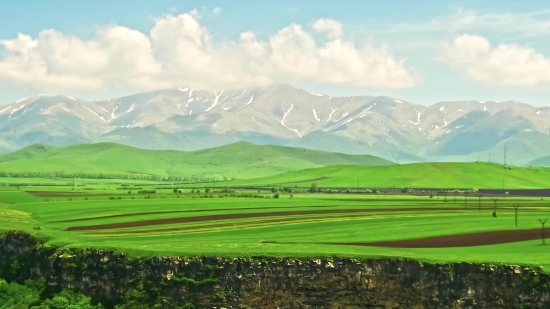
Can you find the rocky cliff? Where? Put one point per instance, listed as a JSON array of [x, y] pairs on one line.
[[204, 282]]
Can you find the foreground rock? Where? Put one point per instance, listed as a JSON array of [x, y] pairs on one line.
[[283, 283]]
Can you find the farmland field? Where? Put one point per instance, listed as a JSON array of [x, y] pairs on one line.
[[249, 223]]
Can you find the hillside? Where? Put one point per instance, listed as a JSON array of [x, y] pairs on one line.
[[426, 175], [239, 160]]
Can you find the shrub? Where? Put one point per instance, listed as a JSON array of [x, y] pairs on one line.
[[276, 195], [129, 192]]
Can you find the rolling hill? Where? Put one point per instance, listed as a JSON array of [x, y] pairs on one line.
[[239, 160], [419, 175]]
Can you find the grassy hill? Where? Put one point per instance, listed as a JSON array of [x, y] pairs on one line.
[[240, 160], [434, 175]]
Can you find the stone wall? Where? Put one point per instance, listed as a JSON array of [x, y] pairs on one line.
[[283, 283]]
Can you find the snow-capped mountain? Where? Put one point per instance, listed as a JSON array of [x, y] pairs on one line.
[[186, 118]]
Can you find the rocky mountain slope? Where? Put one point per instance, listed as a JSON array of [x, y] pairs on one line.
[[190, 119]]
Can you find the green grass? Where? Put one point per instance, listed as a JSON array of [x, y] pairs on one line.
[[240, 160], [300, 237], [419, 175]]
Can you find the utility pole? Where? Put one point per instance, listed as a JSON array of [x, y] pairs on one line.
[[504, 161], [542, 222], [479, 201], [516, 213]]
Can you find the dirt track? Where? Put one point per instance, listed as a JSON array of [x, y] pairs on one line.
[[248, 215], [459, 240]]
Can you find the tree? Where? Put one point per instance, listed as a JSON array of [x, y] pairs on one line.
[[313, 187], [273, 190], [276, 195]]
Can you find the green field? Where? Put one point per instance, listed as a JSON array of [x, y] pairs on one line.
[[232, 225], [242, 217], [417, 175], [240, 160]]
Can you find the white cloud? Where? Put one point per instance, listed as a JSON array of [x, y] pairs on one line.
[[332, 27], [524, 24], [216, 11], [179, 51], [505, 64]]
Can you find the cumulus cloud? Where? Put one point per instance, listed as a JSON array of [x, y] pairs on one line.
[[179, 50], [332, 27], [505, 64]]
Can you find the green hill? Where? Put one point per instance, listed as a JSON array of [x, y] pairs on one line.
[[240, 160], [427, 175]]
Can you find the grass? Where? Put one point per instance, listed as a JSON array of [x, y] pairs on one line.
[[241, 160], [298, 235], [417, 175]]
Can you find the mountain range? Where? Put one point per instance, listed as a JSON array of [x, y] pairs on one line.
[[190, 119]]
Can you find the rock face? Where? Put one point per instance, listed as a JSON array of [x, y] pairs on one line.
[[284, 283]]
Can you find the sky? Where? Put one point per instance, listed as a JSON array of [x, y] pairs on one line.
[[420, 51]]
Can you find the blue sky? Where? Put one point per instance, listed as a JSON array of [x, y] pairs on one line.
[[427, 34]]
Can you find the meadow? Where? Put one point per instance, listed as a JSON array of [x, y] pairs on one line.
[[255, 223]]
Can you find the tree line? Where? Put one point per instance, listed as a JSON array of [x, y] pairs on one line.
[[129, 176]]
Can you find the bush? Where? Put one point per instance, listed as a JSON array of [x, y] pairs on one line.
[[276, 195], [147, 191]]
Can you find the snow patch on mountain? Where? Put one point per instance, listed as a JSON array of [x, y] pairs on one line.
[[183, 89], [315, 114], [86, 107], [250, 101], [215, 100], [332, 110], [134, 106], [282, 121], [397, 101], [113, 113]]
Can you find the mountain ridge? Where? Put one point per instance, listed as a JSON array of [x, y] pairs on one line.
[[188, 119]]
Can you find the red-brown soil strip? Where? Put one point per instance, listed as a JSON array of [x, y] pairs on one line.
[[176, 211], [236, 224], [458, 240], [222, 225], [246, 216]]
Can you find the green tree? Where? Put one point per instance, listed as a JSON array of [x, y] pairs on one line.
[[313, 187]]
